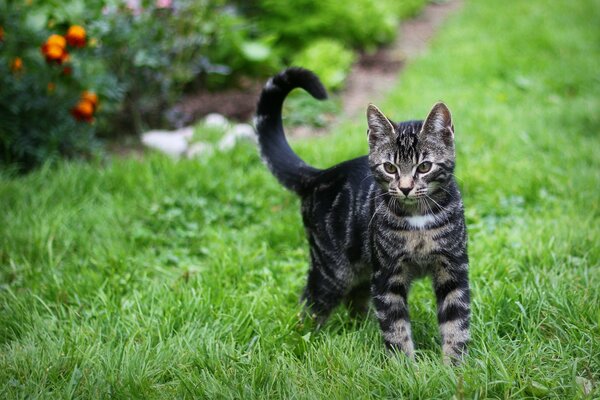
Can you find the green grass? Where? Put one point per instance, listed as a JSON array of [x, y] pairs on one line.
[[162, 279]]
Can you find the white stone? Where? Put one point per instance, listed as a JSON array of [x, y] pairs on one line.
[[245, 131], [199, 149], [187, 132], [216, 121], [166, 142], [227, 143], [237, 132]]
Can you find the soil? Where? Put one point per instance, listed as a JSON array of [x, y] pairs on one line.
[[236, 104], [369, 80]]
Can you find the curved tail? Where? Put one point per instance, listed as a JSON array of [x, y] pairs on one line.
[[288, 168]]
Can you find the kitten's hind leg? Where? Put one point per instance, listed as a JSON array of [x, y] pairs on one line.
[[357, 300], [327, 284]]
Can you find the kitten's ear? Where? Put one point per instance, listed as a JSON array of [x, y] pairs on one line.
[[379, 126], [439, 121]]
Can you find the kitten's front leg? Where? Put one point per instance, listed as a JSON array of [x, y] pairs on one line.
[[390, 290], [451, 285]]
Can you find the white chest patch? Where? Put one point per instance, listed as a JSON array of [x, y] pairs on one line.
[[420, 221]]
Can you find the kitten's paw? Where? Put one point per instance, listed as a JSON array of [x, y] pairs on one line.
[[406, 349], [454, 354]]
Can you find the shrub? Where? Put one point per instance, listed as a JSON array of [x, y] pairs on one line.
[[48, 102], [359, 24], [137, 57], [407, 8], [156, 48], [329, 59]]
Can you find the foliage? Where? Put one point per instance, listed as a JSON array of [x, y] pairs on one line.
[[329, 59], [407, 8], [139, 56], [160, 279], [155, 49], [359, 24], [301, 109], [46, 79]]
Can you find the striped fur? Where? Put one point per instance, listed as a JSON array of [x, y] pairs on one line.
[[378, 221]]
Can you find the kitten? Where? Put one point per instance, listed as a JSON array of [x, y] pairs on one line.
[[379, 221]]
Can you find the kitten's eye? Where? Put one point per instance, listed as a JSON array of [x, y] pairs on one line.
[[424, 167], [389, 168]]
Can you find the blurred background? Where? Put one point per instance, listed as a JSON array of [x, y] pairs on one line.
[[73, 72]]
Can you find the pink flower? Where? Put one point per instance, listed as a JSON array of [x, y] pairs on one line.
[[134, 5], [164, 3]]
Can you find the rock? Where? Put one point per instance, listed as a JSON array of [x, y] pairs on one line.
[[198, 149], [585, 384], [216, 121], [187, 132], [173, 144], [227, 143], [245, 131], [237, 132], [177, 143]]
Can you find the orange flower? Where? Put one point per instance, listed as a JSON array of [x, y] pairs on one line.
[[76, 36], [52, 52], [83, 111], [67, 71], [85, 108], [57, 40], [54, 49], [51, 87], [16, 65], [91, 97]]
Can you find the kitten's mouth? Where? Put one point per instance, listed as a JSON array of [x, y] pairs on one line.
[[404, 199], [409, 200]]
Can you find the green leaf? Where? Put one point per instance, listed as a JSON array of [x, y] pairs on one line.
[[255, 51], [36, 19], [537, 389]]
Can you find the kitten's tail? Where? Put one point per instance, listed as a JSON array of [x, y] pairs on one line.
[[288, 168]]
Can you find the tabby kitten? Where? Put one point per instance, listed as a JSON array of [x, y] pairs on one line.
[[377, 222]]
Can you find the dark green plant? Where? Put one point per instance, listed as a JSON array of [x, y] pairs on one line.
[[359, 24], [155, 51], [42, 78], [140, 56], [329, 59], [300, 108]]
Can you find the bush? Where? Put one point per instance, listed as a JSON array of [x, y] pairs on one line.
[[138, 59], [329, 59], [407, 8], [139, 56], [48, 101], [359, 24], [157, 48]]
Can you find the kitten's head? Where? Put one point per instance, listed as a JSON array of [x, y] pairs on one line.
[[411, 160]]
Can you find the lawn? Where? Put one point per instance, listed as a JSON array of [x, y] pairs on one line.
[[159, 279]]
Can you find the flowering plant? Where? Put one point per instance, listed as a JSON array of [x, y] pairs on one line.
[[49, 95], [136, 56]]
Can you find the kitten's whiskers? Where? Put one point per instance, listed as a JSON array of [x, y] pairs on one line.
[[377, 196], [374, 214], [447, 217], [447, 191]]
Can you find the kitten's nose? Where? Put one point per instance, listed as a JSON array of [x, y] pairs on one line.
[[406, 191]]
